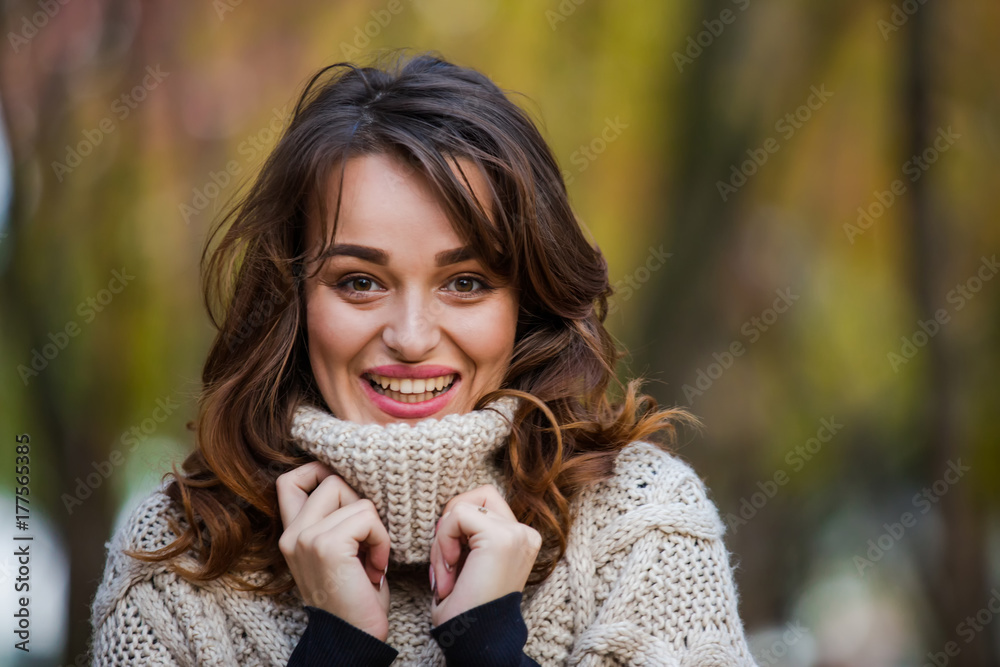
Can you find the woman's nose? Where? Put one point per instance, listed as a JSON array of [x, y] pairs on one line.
[[413, 328]]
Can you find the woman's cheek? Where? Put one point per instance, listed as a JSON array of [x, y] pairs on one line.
[[488, 336]]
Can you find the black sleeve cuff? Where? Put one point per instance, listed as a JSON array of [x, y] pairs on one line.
[[490, 635], [330, 640]]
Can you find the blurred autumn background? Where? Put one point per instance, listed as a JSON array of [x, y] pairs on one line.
[[797, 203]]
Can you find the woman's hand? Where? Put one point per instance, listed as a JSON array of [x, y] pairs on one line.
[[336, 546], [477, 557]]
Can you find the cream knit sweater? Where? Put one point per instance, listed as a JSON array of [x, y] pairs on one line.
[[645, 580]]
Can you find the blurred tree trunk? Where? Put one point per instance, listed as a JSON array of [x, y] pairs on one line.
[[681, 310], [959, 586], [65, 239], [73, 445]]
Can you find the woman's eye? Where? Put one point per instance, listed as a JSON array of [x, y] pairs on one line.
[[358, 284], [462, 285], [466, 285]]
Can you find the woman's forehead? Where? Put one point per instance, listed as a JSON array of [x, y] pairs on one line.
[[382, 190]]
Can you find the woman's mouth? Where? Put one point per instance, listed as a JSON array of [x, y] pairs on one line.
[[410, 390]]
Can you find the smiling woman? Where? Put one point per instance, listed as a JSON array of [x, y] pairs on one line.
[[413, 453], [400, 286]]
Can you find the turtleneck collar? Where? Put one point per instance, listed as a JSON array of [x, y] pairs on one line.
[[410, 471]]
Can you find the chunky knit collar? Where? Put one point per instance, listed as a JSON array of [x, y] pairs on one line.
[[410, 471]]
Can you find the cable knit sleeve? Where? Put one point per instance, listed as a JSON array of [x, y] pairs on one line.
[[131, 618], [666, 594], [145, 614], [132, 634]]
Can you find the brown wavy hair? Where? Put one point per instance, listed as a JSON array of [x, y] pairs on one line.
[[426, 112]]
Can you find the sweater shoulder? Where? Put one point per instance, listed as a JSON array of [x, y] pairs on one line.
[[145, 528], [150, 608], [659, 568], [147, 525], [649, 479]]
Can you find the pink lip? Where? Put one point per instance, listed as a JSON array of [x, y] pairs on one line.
[[399, 410], [403, 371]]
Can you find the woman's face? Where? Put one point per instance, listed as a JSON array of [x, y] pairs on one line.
[[401, 324]]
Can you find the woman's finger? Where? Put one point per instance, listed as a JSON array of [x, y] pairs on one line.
[[311, 534], [331, 494], [294, 487], [488, 496], [461, 525], [446, 573], [365, 528]]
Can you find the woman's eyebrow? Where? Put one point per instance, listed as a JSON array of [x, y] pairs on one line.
[[381, 257]]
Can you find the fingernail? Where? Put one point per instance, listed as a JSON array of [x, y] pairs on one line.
[[430, 571], [447, 566], [381, 581]]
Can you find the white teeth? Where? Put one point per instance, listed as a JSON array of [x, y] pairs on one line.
[[412, 390], [415, 386]]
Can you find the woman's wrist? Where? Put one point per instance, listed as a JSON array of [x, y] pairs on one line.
[[491, 634], [330, 640]]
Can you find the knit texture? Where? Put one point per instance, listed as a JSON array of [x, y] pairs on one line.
[[409, 472], [646, 578]]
